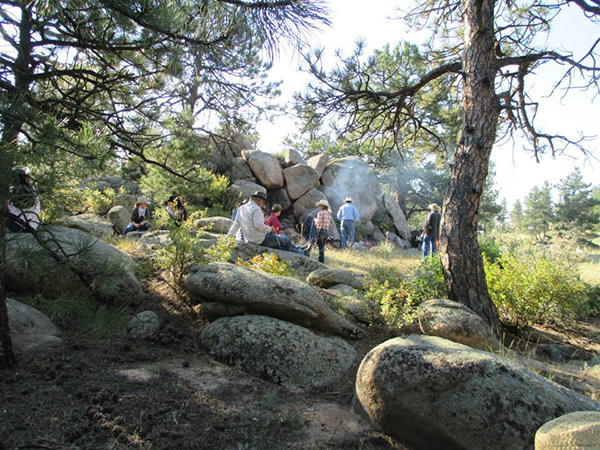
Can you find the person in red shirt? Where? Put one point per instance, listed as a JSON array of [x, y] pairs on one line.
[[273, 219]]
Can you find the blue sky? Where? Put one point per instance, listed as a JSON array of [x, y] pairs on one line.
[[516, 171]]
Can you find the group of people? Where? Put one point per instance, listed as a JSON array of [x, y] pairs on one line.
[[249, 225]]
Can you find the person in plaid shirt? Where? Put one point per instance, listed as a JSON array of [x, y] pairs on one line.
[[322, 223]]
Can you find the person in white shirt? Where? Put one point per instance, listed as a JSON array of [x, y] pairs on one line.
[[251, 220], [23, 205]]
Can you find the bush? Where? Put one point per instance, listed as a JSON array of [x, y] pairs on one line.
[[398, 297], [490, 249], [538, 289], [98, 202], [269, 263], [185, 251]]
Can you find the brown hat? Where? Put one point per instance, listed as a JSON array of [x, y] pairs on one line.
[[142, 199], [261, 195]]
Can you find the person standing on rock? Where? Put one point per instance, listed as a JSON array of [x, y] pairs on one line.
[[251, 221], [347, 215], [322, 223], [431, 231], [140, 216]]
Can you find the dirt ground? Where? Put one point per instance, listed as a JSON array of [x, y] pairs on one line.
[[165, 393]]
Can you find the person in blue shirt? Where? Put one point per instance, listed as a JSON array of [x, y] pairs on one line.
[[347, 215]]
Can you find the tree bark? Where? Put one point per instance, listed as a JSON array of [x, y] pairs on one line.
[[12, 125], [459, 249]]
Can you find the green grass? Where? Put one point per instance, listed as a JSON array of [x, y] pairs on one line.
[[363, 262]]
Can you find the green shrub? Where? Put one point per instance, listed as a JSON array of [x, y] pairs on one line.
[[538, 289], [98, 202], [426, 282], [490, 249], [398, 297], [185, 251], [269, 263], [386, 290]]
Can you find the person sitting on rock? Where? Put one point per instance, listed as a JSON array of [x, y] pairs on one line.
[[175, 209], [273, 219], [322, 223], [23, 204], [251, 221], [140, 216]]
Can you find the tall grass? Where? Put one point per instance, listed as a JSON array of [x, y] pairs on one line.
[[384, 256]]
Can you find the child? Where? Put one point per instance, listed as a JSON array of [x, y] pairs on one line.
[[273, 219]]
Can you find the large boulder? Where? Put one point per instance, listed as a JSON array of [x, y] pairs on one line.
[[435, 394], [578, 430], [328, 277], [214, 224], [258, 292], [397, 216], [299, 179], [352, 177], [29, 328], [318, 162], [128, 201], [224, 149], [240, 170], [90, 223], [456, 322], [307, 201], [119, 217], [243, 189], [280, 197], [87, 265], [291, 157], [279, 351], [265, 167], [144, 324]]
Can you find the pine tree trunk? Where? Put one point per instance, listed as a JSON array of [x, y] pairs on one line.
[[459, 249]]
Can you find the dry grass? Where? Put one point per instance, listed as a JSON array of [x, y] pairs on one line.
[[362, 262], [590, 270]]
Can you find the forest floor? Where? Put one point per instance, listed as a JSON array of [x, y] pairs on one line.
[[166, 393]]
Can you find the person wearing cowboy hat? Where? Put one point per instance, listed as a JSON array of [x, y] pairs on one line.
[[250, 219], [140, 216], [347, 215], [322, 223], [431, 230]]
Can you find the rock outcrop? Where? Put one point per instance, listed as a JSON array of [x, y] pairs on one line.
[[454, 321], [434, 394], [90, 223], [87, 264], [30, 329], [255, 292], [325, 278], [278, 351], [397, 216], [119, 217], [578, 430], [299, 179], [265, 167], [219, 225]]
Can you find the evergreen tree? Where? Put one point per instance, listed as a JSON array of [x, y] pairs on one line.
[[539, 210], [576, 205], [516, 215]]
